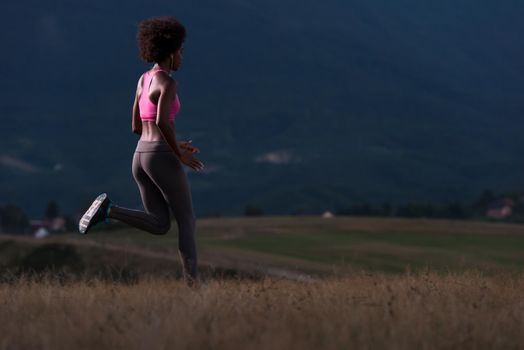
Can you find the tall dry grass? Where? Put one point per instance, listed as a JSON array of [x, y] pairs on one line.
[[423, 311]]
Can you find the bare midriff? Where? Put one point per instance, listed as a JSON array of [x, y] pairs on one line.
[[151, 132]]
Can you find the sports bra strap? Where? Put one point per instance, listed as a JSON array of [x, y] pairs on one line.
[[150, 74], [157, 70]]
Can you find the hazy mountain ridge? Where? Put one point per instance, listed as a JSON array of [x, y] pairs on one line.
[[381, 101]]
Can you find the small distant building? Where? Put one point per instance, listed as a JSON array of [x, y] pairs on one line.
[[36, 224], [500, 208], [41, 233], [57, 224], [327, 214]]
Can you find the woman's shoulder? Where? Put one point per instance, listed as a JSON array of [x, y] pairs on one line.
[[166, 80], [160, 77]]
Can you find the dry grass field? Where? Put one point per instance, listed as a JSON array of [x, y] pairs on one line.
[[273, 283], [364, 311]]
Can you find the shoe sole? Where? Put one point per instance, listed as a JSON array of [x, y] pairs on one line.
[[86, 218]]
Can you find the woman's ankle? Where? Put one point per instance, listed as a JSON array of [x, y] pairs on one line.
[[108, 211]]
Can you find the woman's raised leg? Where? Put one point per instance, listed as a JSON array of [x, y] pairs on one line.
[[156, 218]]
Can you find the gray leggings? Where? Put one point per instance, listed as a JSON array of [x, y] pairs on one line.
[[163, 184]]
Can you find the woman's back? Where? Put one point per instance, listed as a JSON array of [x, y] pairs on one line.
[[149, 95], [148, 108]]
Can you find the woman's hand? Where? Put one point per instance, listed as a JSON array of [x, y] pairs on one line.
[[188, 159], [187, 146]]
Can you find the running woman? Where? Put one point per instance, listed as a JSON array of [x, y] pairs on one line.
[[158, 158]]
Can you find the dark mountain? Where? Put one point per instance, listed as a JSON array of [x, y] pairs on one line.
[[294, 105]]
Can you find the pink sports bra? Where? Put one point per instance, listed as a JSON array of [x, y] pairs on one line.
[[147, 108]]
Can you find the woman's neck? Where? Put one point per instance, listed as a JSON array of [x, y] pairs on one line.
[[162, 66]]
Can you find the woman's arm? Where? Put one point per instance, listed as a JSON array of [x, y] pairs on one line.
[[136, 123], [167, 94]]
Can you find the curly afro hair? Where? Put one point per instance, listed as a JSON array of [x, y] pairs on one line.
[[159, 37]]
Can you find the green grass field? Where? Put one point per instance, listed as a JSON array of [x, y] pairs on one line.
[[340, 245]]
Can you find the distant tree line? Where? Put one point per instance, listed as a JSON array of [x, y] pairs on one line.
[[410, 210], [13, 219], [252, 210], [451, 210], [477, 209]]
